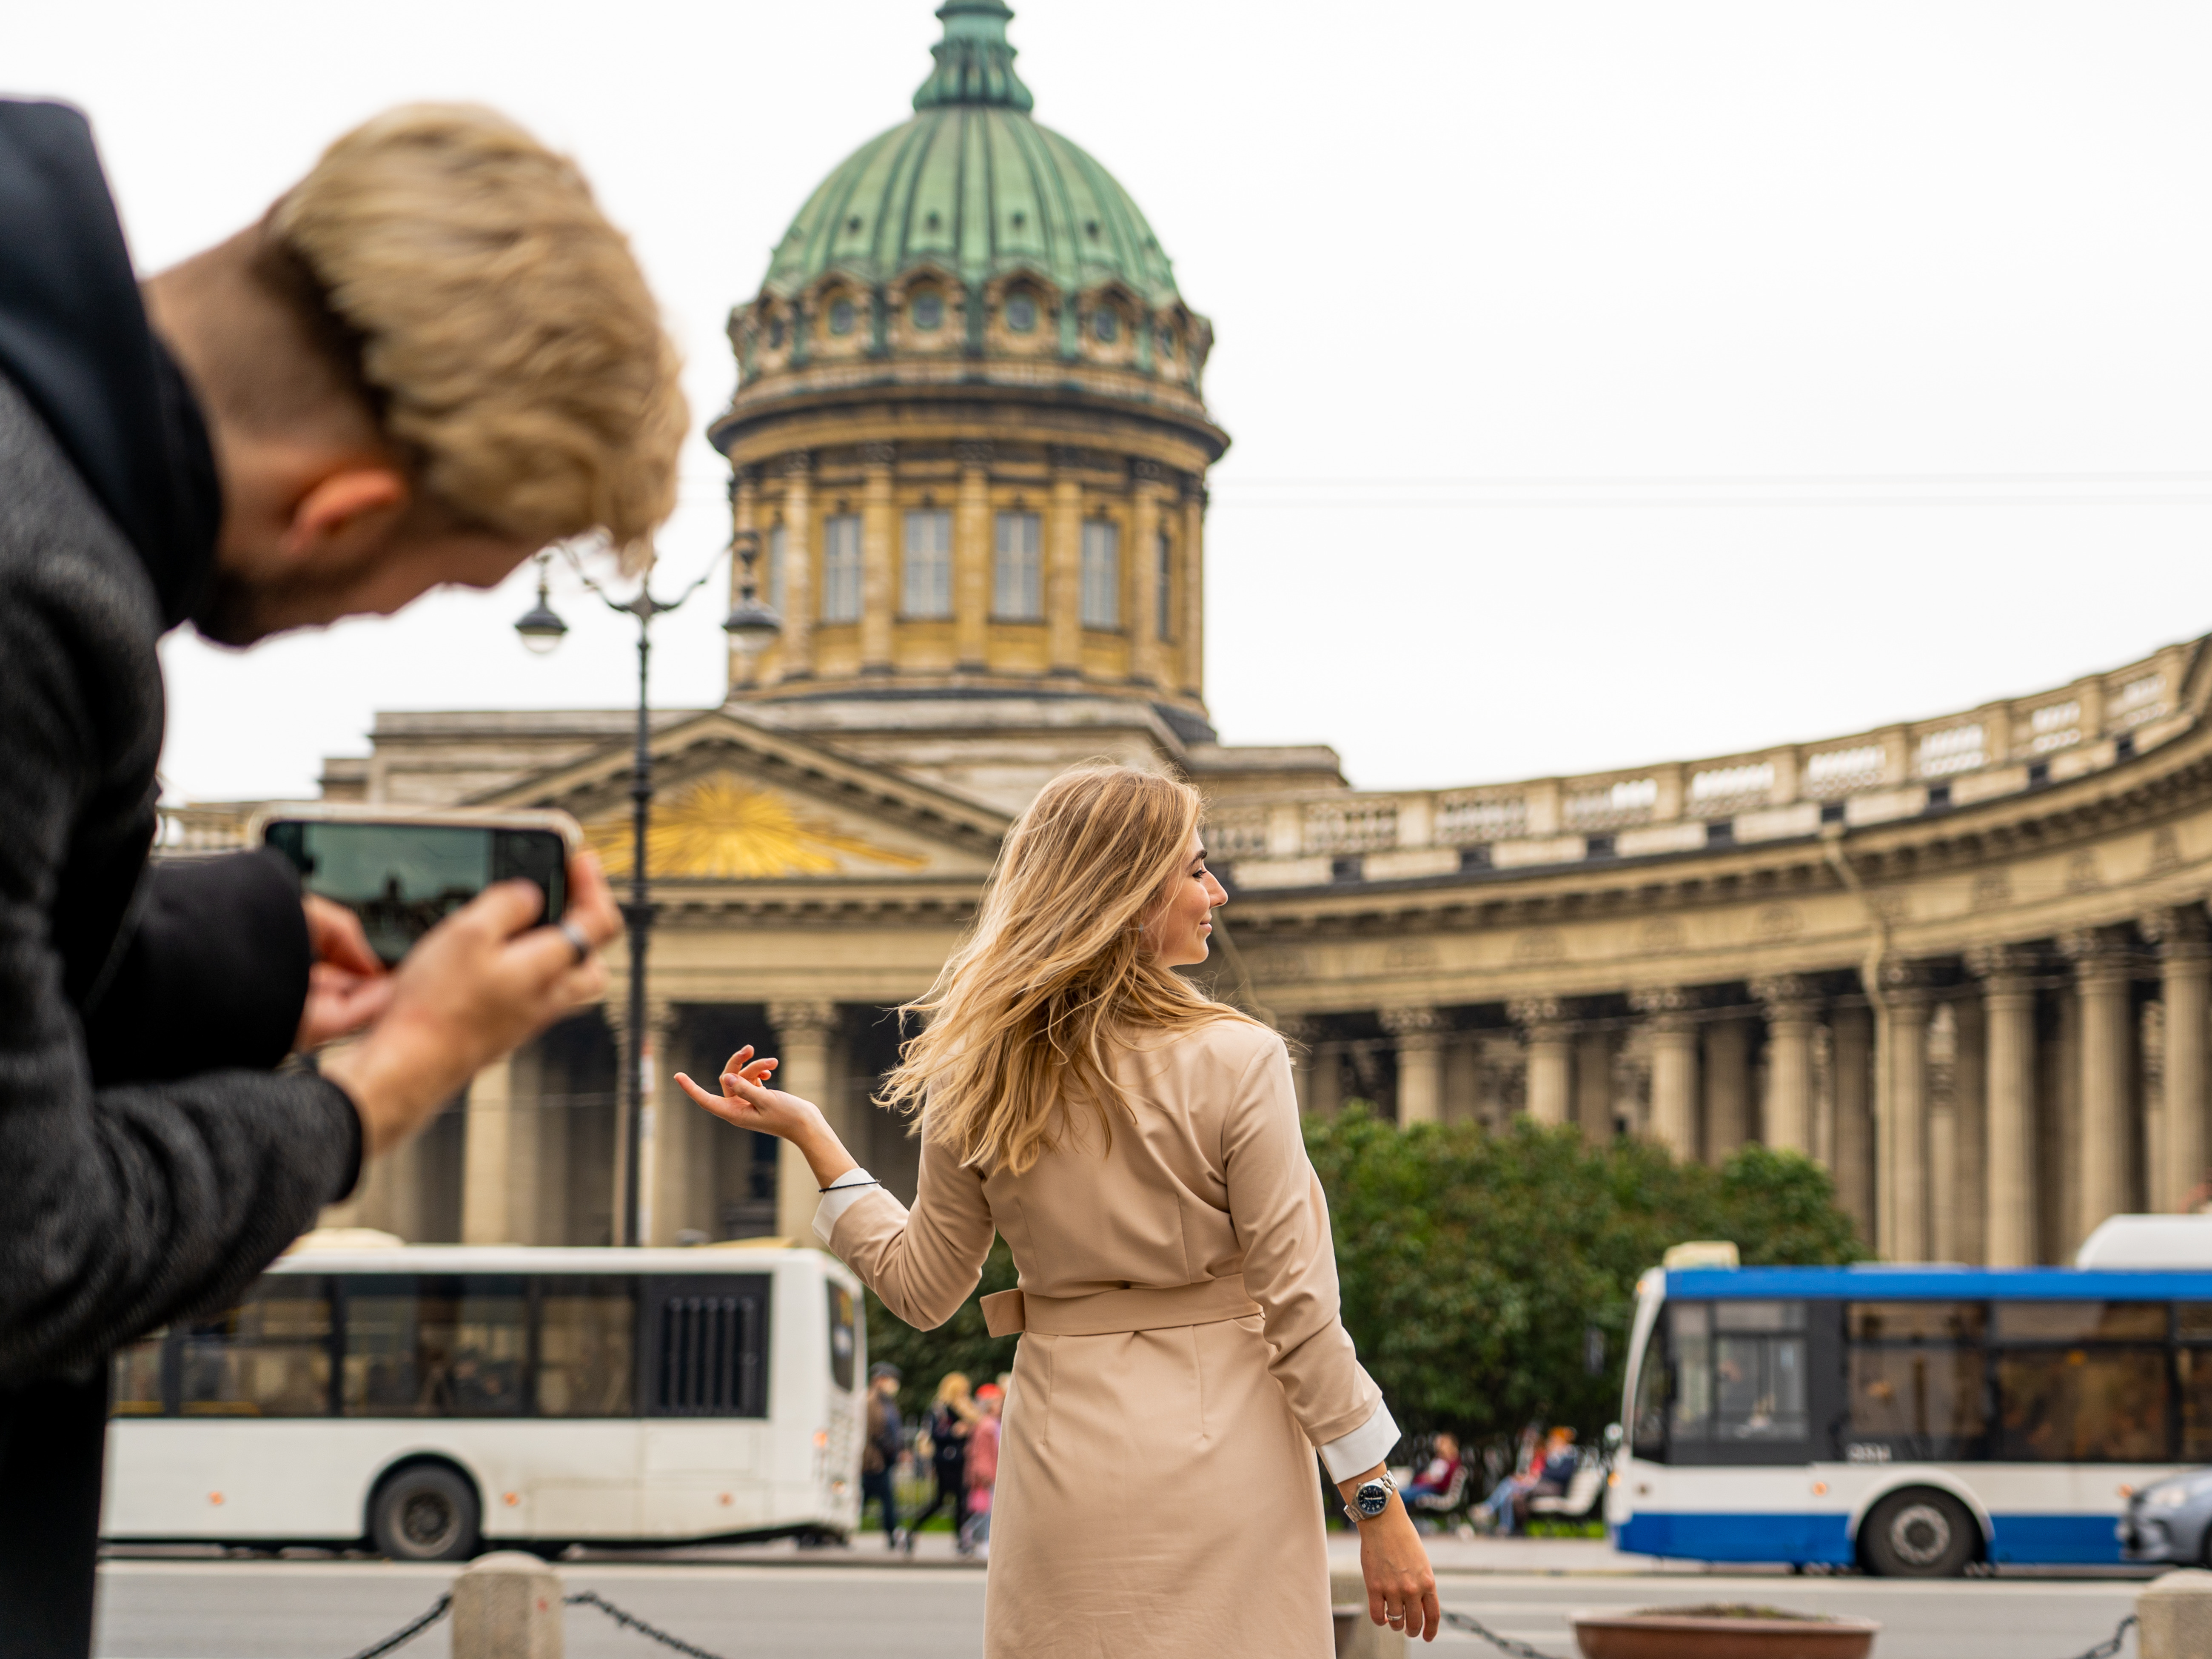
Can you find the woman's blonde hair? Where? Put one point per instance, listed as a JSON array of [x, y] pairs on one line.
[[1056, 977], [952, 1387]]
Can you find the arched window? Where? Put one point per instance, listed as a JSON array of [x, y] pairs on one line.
[[1106, 324], [1101, 574], [840, 567], [1164, 594], [1018, 595], [1021, 313], [928, 310], [928, 584], [841, 316]]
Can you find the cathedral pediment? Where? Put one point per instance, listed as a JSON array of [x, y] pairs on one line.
[[736, 800]]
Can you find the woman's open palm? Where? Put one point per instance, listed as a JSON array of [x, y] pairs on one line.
[[748, 1102]]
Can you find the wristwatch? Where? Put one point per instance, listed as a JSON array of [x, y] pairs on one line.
[[1371, 1499]]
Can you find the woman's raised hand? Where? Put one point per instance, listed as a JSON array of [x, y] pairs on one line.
[[748, 1102]]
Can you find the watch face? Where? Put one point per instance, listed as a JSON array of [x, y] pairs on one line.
[[1373, 1498]]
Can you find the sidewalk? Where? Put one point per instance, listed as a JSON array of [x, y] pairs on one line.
[[1558, 1557]]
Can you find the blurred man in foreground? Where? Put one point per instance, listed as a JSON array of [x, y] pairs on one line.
[[433, 356]]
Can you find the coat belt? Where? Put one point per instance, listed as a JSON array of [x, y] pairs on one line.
[[1103, 1313]]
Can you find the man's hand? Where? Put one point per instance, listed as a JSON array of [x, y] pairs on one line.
[[478, 984], [347, 987]]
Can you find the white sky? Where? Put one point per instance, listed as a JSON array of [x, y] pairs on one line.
[[1609, 382]]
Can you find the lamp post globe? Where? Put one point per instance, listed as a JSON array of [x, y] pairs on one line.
[[540, 626]]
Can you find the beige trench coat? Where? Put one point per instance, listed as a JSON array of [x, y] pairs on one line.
[[1157, 1492]]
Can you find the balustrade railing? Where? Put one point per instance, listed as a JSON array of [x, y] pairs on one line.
[[1792, 790]]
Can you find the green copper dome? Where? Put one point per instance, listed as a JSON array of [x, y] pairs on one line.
[[971, 185]]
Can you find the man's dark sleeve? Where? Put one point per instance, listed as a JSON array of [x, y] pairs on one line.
[[120, 1207], [213, 975]]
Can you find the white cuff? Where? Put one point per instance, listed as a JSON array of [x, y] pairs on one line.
[[1362, 1448], [839, 1196]]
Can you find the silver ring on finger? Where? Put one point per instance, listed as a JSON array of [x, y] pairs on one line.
[[577, 941]]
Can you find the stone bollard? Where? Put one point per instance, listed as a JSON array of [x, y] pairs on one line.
[[2175, 1615], [506, 1606], [1358, 1637]]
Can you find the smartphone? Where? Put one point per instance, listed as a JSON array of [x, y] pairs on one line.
[[403, 872]]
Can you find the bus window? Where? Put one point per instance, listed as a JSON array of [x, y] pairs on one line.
[[1915, 1378], [1648, 1430], [268, 1356], [1758, 1371], [587, 1338], [844, 1340], [1690, 1325], [136, 1389], [443, 1346]]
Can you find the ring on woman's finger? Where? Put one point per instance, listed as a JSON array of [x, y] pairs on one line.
[[578, 941]]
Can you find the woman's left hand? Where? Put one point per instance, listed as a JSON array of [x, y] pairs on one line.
[[1402, 1589]]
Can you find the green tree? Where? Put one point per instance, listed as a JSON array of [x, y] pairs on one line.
[[960, 1343], [1489, 1279]]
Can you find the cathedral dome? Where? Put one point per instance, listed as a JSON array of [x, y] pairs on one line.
[[971, 233]]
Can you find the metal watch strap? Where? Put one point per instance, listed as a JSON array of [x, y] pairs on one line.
[[1352, 1511]]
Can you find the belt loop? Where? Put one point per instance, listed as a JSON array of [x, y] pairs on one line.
[[1002, 1313]]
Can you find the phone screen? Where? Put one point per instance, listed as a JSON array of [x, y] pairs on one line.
[[403, 879]]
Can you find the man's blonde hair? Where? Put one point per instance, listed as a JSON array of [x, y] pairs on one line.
[[506, 338]]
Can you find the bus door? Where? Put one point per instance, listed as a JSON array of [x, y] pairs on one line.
[[703, 1377]]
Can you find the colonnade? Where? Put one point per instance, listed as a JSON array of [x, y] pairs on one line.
[[1989, 1106]]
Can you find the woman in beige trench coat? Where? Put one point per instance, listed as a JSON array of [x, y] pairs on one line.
[[1182, 1358]]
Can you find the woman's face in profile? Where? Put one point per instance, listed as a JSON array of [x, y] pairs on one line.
[[1180, 924]]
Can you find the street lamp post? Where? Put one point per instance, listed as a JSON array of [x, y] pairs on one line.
[[752, 625]]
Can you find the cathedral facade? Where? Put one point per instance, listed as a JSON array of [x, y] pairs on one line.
[[1962, 962]]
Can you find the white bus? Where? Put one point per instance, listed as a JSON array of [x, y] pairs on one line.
[[434, 1400], [1910, 1420]]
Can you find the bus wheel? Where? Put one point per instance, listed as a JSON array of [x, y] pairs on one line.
[[1919, 1533], [426, 1512]]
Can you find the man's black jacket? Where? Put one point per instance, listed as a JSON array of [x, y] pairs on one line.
[[150, 1161]]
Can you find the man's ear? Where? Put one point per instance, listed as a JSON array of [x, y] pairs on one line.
[[349, 510]]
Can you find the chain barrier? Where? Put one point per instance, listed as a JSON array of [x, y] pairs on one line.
[[438, 1609], [2110, 1644], [631, 1621], [1474, 1626], [2107, 1648]]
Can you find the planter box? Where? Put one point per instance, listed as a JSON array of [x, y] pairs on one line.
[[1693, 1635]]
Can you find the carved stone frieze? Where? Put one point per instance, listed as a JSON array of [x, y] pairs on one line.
[[973, 453], [878, 454]]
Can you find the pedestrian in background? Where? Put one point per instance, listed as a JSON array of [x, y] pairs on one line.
[[431, 357], [879, 1454], [951, 1416], [1182, 1357], [982, 1473]]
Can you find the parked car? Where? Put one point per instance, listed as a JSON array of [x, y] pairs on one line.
[[2170, 1520]]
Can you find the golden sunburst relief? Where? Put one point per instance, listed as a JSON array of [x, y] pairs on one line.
[[719, 828]]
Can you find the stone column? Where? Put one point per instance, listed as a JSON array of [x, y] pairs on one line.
[[1728, 1088], [1942, 1050], [1192, 645], [1901, 1128], [499, 1153], [1593, 1054], [2184, 966], [1968, 1197], [1326, 1089], [679, 1136], [744, 515], [803, 1031], [1298, 1034], [1148, 652], [1063, 547], [973, 554], [2104, 984], [1463, 1078], [1851, 1028], [879, 562], [795, 647], [1792, 1015], [1421, 1034], [1674, 1066], [2008, 1126], [1550, 1042]]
